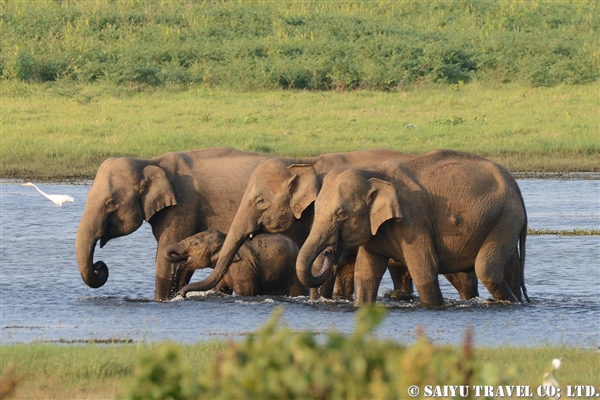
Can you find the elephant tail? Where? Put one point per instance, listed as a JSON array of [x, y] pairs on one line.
[[522, 238]]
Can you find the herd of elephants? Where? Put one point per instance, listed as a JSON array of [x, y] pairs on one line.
[[329, 226]]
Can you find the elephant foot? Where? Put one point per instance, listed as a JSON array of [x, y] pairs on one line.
[[501, 291], [430, 294], [401, 295]]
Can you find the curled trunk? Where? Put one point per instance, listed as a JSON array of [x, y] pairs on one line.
[[173, 254], [93, 274], [307, 256]]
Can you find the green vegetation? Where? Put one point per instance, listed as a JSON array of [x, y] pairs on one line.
[[574, 232], [516, 81], [64, 131], [86, 371], [278, 363], [316, 45]]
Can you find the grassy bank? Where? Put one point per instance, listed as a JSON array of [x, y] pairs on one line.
[[312, 44], [95, 372], [63, 130], [85, 371]]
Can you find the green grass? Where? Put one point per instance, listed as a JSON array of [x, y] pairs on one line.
[[64, 131], [309, 44], [86, 371], [81, 81], [94, 372], [579, 366], [574, 232], [276, 362]]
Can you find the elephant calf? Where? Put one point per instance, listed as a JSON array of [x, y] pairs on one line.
[[264, 266]]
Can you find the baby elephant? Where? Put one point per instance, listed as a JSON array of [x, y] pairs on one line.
[[266, 265]]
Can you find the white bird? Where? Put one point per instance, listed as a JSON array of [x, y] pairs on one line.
[[58, 199], [548, 379], [411, 126]]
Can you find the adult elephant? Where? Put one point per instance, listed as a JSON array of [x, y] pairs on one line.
[[281, 192], [443, 212], [178, 193]]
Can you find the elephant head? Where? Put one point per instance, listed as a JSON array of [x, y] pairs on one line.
[[125, 192], [349, 210], [276, 195], [196, 252]]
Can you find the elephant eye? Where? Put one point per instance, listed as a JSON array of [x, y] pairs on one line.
[[260, 203], [110, 205], [341, 215]]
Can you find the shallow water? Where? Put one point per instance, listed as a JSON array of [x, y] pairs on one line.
[[44, 299]]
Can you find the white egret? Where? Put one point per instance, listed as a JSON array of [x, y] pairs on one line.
[[411, 126], [548, 379], [58, 199]]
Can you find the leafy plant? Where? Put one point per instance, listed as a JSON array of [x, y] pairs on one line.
[[276, 363], [162, 375]]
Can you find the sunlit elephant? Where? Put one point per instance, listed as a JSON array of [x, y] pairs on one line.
[[265, 265], [282, 191], [443, 212], [179, 194]]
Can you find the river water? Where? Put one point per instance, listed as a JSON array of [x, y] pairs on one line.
[[43, 298]]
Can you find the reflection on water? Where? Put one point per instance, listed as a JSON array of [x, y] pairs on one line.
[[44, 299]]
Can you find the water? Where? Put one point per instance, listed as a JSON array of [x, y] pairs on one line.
[[44, 299]]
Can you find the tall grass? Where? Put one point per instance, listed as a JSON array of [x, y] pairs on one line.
[[59, 130], [317, 45]]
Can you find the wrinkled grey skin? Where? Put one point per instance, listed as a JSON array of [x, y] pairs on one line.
[[281, 192], [444, 212], [265, 265], [179, 194]]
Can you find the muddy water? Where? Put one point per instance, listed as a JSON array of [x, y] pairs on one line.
[[44, 299]]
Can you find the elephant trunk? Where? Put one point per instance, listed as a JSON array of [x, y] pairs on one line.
[[173, 254], [93, 274], [218, 273], [309, 252], [239, 232]]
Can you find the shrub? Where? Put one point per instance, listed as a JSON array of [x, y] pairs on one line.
[[312, 45], [162, 375], [276, 363]]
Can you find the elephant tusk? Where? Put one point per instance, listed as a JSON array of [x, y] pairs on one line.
[[251, 236]]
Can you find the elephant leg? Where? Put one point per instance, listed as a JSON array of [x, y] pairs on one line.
[[246, 289], [169, 277], [490, 265], [315, 293], [368, 271], [344, 280], [296, 288], [403, 283], [465, 283], [423, 266], [222, 287]]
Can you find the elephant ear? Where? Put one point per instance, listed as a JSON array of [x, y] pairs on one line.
[[156, 191], [304, 187], [383, 203]]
